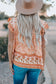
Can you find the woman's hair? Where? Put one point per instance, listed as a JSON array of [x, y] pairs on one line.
[[26, 23]]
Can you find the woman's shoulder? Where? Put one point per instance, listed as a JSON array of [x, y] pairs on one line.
[[12, 23], [44, 24]]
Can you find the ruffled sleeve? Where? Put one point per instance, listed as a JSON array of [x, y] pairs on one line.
[[45, 28], [10, 24], [44, 25]]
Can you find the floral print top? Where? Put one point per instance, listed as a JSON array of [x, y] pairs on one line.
[[24, 56]]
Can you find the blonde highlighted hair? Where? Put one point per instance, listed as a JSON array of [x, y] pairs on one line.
[[26, 24]]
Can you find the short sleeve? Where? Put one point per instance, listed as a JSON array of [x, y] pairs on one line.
[[45, 25], [10, 24]]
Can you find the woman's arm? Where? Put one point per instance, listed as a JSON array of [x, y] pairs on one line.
[[43, 44], [10, 48], [10, 45], [43, 49]]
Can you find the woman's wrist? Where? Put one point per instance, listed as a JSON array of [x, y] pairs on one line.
[[10, 61]]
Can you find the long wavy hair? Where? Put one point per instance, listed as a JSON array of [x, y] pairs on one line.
[[26, 23]]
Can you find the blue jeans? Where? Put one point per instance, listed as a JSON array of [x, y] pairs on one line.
[[19, 75]]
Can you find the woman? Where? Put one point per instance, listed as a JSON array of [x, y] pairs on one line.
[[26, 42]]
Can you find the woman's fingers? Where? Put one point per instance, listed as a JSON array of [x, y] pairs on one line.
[[12, 71], [11, 68], [41, 72]]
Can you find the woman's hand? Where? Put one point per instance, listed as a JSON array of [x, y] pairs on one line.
[[11, 67], [41, 72]]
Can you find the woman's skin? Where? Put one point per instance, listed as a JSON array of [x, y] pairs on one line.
[[10, 46], [43, 47]]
